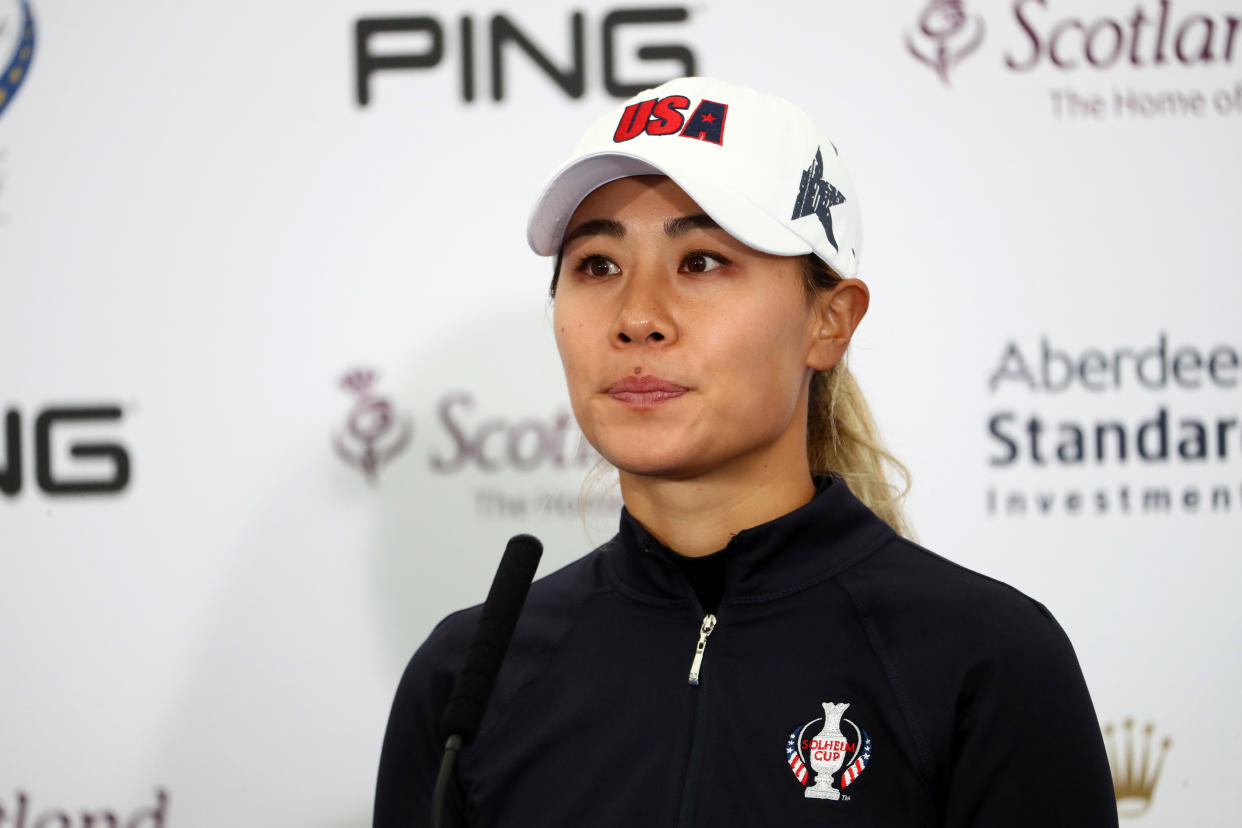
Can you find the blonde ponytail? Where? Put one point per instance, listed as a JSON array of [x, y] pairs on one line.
[[841, 435], [842, 439]]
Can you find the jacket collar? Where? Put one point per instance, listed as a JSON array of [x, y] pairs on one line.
[[816, 541]]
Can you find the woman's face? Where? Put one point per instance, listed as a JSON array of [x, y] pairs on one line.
[[686, 352]]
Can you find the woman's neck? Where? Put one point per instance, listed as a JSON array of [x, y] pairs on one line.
[[697, 516]]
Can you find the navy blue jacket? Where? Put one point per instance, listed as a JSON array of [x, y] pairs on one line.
[[851, 678]]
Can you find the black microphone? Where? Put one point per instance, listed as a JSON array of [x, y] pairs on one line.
[[464, 712]]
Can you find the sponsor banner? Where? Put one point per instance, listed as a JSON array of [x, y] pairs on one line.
[[278, 379], [1165, 59], [523, 466], [23, 810], [1126, 430], [54, 426], [567, 48], [1137, 759]]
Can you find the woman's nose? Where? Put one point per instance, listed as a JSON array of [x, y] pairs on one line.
[[644, 315]]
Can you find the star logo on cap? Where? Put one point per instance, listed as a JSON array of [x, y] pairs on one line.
[[816, 195]]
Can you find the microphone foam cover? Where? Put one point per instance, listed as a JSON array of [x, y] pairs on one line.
[[464, 712]]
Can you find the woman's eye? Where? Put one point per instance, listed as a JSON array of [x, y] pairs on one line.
[[702, 262], [596, 265]]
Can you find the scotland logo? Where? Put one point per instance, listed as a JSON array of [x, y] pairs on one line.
[[831, 747], [373, 434], [17, 40], [948, 35]]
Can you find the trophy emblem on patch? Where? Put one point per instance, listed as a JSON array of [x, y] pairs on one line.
[[827, 753], [372, 435], [836, 753]]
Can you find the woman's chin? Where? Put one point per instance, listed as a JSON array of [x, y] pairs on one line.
[[650, 461]]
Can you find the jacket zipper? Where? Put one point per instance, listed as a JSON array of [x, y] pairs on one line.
[[689, 796], [696, 666]]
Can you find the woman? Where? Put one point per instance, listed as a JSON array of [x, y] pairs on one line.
[[758, 645]]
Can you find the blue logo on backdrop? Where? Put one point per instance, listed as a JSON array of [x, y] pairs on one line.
[[17, 61]]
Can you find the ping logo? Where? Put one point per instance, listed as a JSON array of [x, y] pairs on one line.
[[107, 461], [484, 46], [664, 116]]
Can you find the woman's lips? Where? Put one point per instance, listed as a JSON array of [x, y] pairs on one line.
[[645, 392]]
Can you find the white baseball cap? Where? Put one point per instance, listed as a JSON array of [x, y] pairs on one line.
[[754, 162]]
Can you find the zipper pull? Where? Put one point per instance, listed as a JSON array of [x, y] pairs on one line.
[[709, 624]]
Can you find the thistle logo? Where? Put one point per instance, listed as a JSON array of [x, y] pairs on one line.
[[372, 435], [838, 750], [1134, 776], [947, 35], [17, 41]]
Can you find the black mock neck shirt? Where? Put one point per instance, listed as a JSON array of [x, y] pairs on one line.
[[850, 678]]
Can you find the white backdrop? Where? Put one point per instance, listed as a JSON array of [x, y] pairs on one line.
[[203, 233]]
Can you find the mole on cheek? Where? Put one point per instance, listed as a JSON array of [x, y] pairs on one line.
[[638, 369]]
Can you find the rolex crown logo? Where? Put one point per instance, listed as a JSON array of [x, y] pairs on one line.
[[1135, 771]]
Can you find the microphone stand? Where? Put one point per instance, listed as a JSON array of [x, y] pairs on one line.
[[451, 748]]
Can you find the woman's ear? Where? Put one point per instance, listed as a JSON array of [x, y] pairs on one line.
[[838, 312]]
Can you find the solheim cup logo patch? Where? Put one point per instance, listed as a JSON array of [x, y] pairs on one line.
[[828, 753]]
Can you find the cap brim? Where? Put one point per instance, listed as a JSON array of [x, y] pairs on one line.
[[736, 214]]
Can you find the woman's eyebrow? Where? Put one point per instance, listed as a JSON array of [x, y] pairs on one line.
[[684, 224], [595, 227]]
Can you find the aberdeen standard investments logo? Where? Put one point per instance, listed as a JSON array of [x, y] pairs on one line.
[[1115, 429]]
